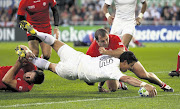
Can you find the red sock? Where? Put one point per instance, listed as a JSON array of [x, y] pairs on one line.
[[178, 63], [163, 85], [137, 43]]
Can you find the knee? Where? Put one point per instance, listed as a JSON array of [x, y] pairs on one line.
[[35, 52], [112, 90]]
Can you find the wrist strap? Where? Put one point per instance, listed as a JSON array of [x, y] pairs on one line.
[[56, 27], [140, 15], [107, 15]]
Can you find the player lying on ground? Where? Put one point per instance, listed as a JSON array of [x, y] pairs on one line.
[[21, 77], [108, 44], [76, 65]]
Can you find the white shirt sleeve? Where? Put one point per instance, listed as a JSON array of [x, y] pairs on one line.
[[108, 2], [143, 1]]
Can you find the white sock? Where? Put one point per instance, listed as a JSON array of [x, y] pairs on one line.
[[41, 63], [47, 38]]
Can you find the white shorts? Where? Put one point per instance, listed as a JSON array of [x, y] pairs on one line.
[[67, 67], [121, 27]]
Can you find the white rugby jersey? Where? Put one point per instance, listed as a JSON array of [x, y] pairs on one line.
[[76, 65], [125, 9], [97, 69]]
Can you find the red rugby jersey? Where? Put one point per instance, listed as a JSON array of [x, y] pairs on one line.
[[37, 11], [114, 43], [21, 86]]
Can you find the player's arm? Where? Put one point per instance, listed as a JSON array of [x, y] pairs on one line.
[[9, 79], [144, 6], [20, 18], [56, 20], [143, 9], [114, 53], [107, 14], [21, 11], [137, 83]]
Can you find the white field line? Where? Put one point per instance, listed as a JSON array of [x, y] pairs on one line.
[[73, 101]]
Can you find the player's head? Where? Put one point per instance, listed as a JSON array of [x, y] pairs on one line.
[[102, 37], [36, 77], [127, 60]]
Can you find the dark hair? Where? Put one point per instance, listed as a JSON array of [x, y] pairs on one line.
[[39, 77], [101, 32], [129, 56]]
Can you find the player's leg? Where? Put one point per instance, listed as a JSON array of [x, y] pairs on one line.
[[140, 71], [47, 38], [33, 44], [46, 50], [126, 39], [50, 40], [113, 85], [177, 71]]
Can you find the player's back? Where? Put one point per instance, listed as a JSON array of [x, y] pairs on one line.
[[96, 69]]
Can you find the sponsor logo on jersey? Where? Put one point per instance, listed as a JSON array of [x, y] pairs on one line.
[[19, 79], [20, 87], [37, 1], [31, 7], [44, 3], [105, 60]]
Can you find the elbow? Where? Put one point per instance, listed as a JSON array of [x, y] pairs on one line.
[[5, 80]]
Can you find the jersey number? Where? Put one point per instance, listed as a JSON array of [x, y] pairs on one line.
[[104, 61]]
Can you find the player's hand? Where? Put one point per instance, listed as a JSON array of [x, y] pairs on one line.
[[102, 50], [110, 20], [30, 56], [151, 89], [56, 31], [138, 21]]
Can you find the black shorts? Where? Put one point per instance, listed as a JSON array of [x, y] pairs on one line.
[[34, 38]]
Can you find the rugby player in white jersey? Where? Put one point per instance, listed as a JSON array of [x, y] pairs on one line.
[[123, 25], [76, 65]]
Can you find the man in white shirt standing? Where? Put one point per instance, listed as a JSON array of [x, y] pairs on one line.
[[123, 25]]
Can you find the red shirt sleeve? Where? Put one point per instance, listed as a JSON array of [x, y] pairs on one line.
[[93, 50], [115, 42], [52, 3], [22, 8]]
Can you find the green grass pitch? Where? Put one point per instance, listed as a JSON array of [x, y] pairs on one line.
[[59, 93]]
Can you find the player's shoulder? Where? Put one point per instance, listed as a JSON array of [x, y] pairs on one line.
[[113, 37], [5, 67]]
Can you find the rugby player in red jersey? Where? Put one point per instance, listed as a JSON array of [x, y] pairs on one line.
[[107, 44], [21, 77], [36, 12]]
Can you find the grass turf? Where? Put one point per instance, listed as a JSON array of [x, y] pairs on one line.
[[57, 92]]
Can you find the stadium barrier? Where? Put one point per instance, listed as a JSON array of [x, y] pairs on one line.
[[76, 33], [158, 33], [9, 34]]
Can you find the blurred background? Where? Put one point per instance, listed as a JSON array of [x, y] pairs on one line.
[[161, 21]]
